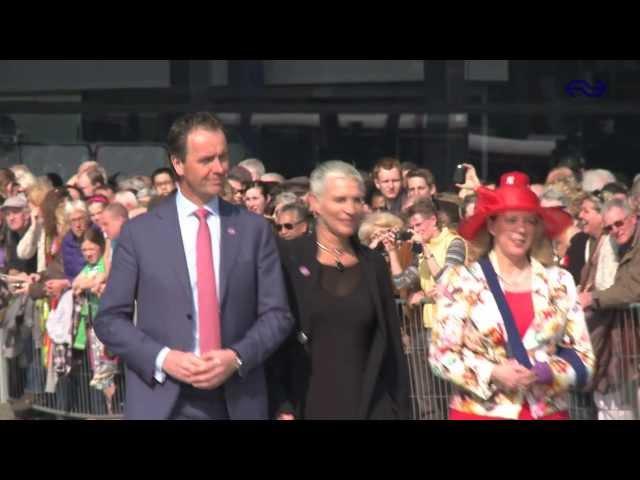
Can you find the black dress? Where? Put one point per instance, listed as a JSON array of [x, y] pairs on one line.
[[343, 323]]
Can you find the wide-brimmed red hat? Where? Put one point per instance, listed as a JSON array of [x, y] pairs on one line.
[[513, 194]]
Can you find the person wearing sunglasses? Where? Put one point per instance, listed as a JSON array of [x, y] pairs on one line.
[[608, 331], [292, 221], [621, 223]]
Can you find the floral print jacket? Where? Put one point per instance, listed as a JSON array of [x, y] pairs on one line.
[[469, 339]]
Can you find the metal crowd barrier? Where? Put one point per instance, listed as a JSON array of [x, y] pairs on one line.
[[70, 397], [75, 398], [430, 394], [615, 394]]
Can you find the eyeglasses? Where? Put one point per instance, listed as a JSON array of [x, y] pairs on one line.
[[609, 228], [287, 226]]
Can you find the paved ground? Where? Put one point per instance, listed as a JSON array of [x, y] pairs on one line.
[[5, 412]]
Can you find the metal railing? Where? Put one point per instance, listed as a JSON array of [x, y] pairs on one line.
[[30, 373], [73, 397], [620, 399], [429, 394]]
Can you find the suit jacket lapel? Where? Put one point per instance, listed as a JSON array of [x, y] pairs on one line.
[[168, 213], [229, 245], [305, 271]]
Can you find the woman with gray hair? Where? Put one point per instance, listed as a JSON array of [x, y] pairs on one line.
[[77, 216], [344, 359]]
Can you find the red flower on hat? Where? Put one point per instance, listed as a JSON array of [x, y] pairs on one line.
[[513, 194]]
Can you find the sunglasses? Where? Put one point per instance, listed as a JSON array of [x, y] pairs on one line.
[[608, 228], [287, 226]]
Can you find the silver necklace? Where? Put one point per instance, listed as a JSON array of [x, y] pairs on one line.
[[335, 253]]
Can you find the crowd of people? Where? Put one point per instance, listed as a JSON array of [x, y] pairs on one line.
[[520, 286]]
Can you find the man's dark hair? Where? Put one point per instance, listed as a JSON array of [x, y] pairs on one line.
[[183, 126], [615, 187], [424, 174], [408, 166], [234, 174], [262, 186], [386, 163], [424, 207], [374, 192], [160, 171]]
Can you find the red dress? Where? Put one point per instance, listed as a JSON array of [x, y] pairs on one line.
[[521, 305]]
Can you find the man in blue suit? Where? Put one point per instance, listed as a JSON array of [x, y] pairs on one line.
[[211, 302]]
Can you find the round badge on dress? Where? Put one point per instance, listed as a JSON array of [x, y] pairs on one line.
[[304, 271]]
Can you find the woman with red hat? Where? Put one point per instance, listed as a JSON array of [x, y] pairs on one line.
[[509, 331]]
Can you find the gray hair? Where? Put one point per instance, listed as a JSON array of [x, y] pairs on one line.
[[71, 206], [272, 177], [285, 198], [333, 169], [554, 196], [302, 212], [254, 164], [133, 183], [127, 199], [593, 180], [144, 193], [596, 201], [617, 203]]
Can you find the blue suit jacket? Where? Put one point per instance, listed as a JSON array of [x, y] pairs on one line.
[[149, 266]]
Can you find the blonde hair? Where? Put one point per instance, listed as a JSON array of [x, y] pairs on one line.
[[383, 220], [24, 177], [71, 206], [482, 244], [567, 191], [38, 191], [62, 221]]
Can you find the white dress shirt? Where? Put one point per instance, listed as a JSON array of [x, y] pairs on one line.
[[189, 224]]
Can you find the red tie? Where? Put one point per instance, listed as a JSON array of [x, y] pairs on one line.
[[208, 307]]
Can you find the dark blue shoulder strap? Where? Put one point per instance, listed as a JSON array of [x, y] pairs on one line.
[[514, 341]]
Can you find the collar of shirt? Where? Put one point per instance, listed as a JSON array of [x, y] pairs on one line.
[[187, 208]]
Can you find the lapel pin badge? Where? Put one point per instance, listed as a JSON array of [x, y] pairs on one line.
[[231, 231], [304, 271]]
